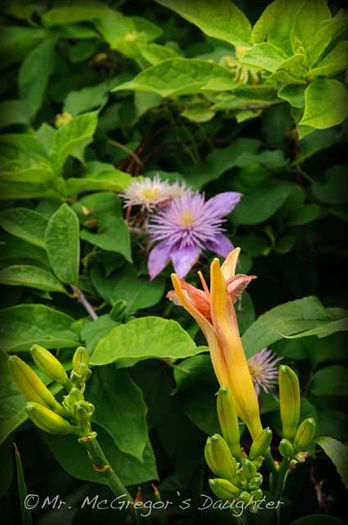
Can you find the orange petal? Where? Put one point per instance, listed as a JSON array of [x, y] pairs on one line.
[[229, 265], [227, 332]]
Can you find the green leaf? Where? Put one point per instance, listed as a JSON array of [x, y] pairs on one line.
[[26, 224], [330, 381], [72, 138], [22, 490], [14, 112], [155, 53], [326, 104], [334, 190], [265, 56], [138, 293], [93, 331], [308, 213], [334, 62], [31, 276], [177, 76], [261, 202], [34, 73], [26, 324], [328, 31], [87, 98], [73, 458], [97, 205], [15, 249], [16, 42], [108, 179], [294, 94], [113, 236], [339, 325], [198, 114], [338, 453], [286, 319], [12, 411], [62, 244], [120, 409], [309, 18], [89, 10], [223, 21], [144, 338]]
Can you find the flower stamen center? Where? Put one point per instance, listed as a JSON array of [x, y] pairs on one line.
[[187, 219]]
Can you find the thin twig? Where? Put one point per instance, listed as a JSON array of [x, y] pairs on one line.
[[126, 150], [82, 300]]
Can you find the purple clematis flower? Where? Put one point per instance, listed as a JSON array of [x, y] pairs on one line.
[[186, 227]]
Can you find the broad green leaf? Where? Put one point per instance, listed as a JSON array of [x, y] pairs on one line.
[[26, 517], [124, 32], [31, 276], [113, 236], [86, 11], [328, 30], [14, 112], [144, 338], [294, 70], [73, 458], [26, 324], [326, 103], [334, 190], [121, 410], [261, 202], [276, 22], [309, 18], [72, 138], [334, 62], [63, 245], [34, 73], [308, 213], [331, 327], [112, 180], [338, 453], [86, 99], [290, 318], [177, 76], [330, 381], [44, 135], [95, 206], [26, 224], [16, 42], [138, 293], [155, 53], [15, 249], [93, 331], [265, 56], [294, 94], [223, 20], [198, 114]]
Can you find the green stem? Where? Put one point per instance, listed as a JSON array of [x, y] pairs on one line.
[[269, 461], [279, 478], [102, 466]]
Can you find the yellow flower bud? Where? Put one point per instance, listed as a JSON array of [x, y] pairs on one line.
[[80, 362], [224, 489], [286, 449], [30, 385], [49, 365], [289, 399], [219, 458], [228, 420], [261, 444], [248, 469], [305, 434], [48, 421]]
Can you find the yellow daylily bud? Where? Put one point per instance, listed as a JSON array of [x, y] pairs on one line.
[[289, 399], [30, 385], [80, 362], [49, 365], [286, 449], [261, 444], [48, 421], [219, 458], [228, 420], [305, 434], [224, 489], [248, 469]]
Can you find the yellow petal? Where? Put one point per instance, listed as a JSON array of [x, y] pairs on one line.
[[207, 329], [229, 265], [234, 360]]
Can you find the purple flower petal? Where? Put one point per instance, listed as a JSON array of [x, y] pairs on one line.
[[158, 259], [223, 203], [220, 245], [184, 258]]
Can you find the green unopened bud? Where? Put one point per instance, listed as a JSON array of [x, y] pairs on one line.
[[248, 469], [255, 482], [257, 494], [30, 385], [224, 489], [286, 449], [261, 444], [80, 372], [289, 399], [219, 458], [305, 434], [48, 421], [245, 496], [228, 420], [49, 365]]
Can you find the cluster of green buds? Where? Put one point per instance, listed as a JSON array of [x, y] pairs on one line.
[[296, 437], [238, 474], [73, 415]]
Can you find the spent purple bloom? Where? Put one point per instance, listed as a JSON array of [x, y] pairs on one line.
[[263, 370], [185, 227]]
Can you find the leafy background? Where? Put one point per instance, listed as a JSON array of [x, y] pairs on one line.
[[96, 93]]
